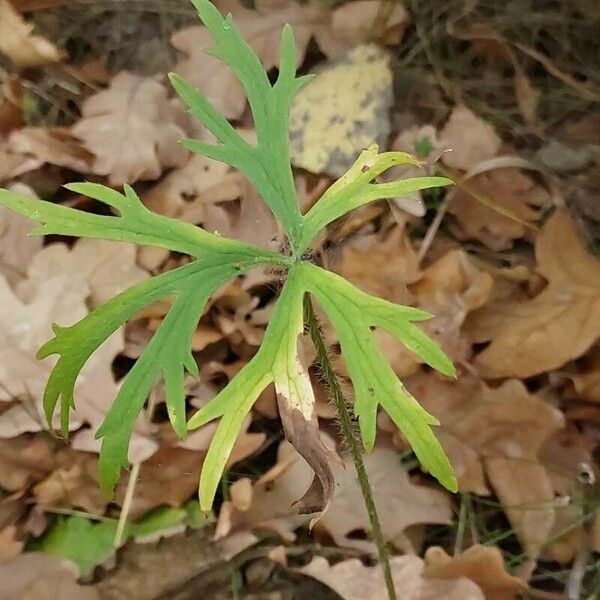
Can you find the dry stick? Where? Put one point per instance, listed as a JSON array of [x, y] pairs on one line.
[[132, 482], [350, 438]]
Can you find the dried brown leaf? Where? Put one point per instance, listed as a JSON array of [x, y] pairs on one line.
[[450, 289], [37, 576], [17, 248], [353, 581], [73, 484], [556, 326], [352, 23], [505, 427], [132, 129], [52, 145], [20, 43], [10, 546], [382, 265], [107, 268], [482, 564], [24, 460], [470, 138], [508, 191], [25, 324]]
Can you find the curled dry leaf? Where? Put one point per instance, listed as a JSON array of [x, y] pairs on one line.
[[343, 110], [470, 138], [498, 431], [558, 325], [132, 129], [510, 191], [261, 28], [20, 43], [400, 502], [482, 564], [353, 581]]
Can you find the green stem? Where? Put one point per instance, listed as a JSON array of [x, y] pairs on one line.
[[350, 438]]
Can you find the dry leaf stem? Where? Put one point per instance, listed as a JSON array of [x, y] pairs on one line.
[[350, 438]]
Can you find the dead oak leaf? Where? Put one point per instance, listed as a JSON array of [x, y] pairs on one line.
[[586, 383], [354, 581], [509, 190], [451, 288], [234, 209], [381, 264], [181, 187], [558, 325], [482, 564], [499, 432], [261, 28], [471, 139], [170, 475], [10, 545], [132, 129], [20, 43], [24, 327]]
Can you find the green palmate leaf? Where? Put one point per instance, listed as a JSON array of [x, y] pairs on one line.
[[279, 359], [267, 164], [353, 315], [356, 188]]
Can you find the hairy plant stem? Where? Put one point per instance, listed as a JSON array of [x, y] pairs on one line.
[[350, 438]]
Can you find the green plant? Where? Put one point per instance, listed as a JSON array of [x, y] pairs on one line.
[[353, 313]]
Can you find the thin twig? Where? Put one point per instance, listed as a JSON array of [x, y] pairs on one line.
[[351, 440]]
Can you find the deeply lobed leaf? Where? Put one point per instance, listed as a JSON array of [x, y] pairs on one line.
[[276, 361], [267, 164], [135, 223], [353, 315], [356, 188], [168, 355]]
